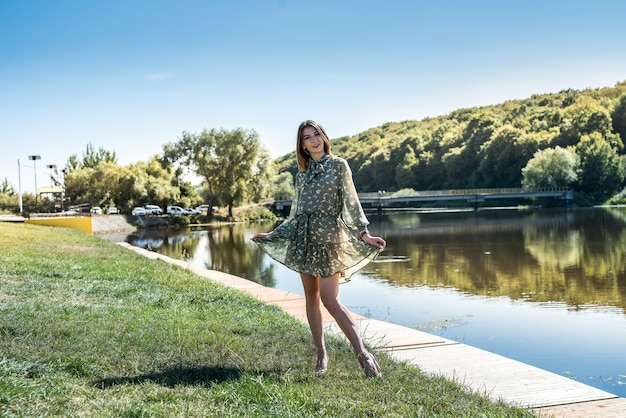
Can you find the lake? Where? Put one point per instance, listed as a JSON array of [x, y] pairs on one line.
[[545, 287]]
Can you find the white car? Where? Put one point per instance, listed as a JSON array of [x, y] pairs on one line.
[[138, 211], [153, 210], [176, 210], [205, 208], [192, 211], [113, 210], [97, 210]]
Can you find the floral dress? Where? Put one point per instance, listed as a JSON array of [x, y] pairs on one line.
[[321, 235]]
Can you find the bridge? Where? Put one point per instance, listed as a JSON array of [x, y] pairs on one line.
[[382, 200]]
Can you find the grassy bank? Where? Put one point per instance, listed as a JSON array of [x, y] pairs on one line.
[[88, 328]]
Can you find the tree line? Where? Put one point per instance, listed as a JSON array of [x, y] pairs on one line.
[[569, 139], [232, 165]]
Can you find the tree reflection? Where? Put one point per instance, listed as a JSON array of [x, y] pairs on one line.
[[222, 248], [575, 256], [231, 252], [572, 256]]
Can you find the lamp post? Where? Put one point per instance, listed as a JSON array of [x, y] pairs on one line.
[[52, 168], [34, 159], [19, 185], [64, 171]]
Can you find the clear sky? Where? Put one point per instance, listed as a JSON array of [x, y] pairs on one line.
[[131, 75]]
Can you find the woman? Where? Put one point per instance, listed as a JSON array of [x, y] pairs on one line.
[[325, 238]]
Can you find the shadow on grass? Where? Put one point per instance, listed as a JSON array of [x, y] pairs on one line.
[[205, 376]]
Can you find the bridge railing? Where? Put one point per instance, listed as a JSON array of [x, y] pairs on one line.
[[463, 192]]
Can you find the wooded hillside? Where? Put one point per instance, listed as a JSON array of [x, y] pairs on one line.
[[487, 147]]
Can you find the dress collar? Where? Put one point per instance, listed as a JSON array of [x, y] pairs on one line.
[[315, 168]]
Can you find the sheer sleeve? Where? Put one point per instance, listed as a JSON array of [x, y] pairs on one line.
[[294, 205], [351, 210], [296, 196]]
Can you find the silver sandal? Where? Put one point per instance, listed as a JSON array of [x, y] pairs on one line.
[[369, 364], [322, 365]]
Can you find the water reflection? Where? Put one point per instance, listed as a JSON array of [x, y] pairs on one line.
[[223, 248], [576, 257], [544, 287]]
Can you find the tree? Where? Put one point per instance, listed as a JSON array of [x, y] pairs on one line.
[[601, 172], [404, 171], [142, 183], [8, 196], [91, 158], [583, 118], [260, 184], [462, 161], [228, 162], [283, 187], [478, 147], [550, 167], [78, 185], [6, 188], [618, 118], [503, 157]]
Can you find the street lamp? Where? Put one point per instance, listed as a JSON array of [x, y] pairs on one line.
[[64, 171], [34, 159], [51, 167], [19, 185]]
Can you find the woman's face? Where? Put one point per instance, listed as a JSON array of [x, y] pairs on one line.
[[313, 142]]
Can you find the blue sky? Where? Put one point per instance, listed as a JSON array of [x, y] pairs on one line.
[[130, 76]]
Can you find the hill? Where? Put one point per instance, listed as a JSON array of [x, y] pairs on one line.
[[483, 147]]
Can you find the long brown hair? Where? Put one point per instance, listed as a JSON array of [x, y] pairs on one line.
[[301, 154]]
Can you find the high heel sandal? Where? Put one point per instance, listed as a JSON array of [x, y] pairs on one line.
[[369, 364], [322, 365]]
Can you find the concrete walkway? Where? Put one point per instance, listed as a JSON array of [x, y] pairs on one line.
[[11, 218], [499, 378]]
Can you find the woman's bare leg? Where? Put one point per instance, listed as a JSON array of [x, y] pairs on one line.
[[329, 294], [311, 285]]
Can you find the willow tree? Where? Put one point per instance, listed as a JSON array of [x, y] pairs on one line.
[[601, 172], [551, 167], [231, 163]]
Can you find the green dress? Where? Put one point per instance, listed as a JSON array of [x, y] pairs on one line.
[[321, 235]]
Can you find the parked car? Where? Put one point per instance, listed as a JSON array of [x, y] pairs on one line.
[[113, 211], [176, 210], [153, 210], [138, 211], [205, 208], [192, 211], [96, 210]]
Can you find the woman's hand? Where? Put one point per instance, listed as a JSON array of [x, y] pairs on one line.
[[262, 235], [375, 241]]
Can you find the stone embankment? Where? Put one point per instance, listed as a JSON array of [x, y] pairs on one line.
[[111, 223], [102, 224]]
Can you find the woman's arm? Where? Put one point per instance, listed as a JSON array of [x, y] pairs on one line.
[[292, 213], [352, 212]]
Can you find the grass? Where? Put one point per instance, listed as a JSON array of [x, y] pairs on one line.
[[88, 328]]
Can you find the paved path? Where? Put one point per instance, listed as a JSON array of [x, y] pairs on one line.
[[11, 218], [498, 377]]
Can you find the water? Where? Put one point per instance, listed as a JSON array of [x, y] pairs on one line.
[[546, 287]]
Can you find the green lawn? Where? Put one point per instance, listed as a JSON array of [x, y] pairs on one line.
[[88, 328]]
